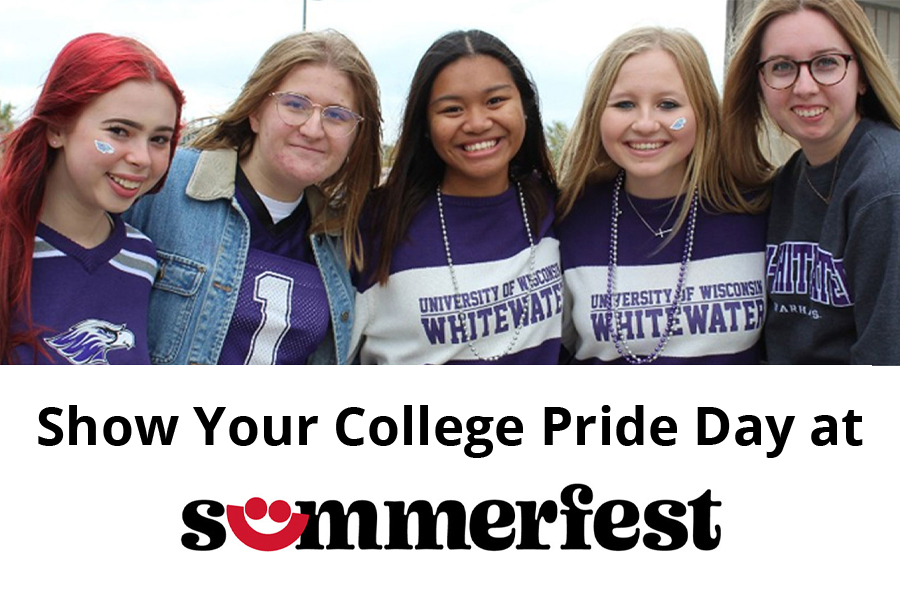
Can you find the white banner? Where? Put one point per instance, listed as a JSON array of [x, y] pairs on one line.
[[545, 482]]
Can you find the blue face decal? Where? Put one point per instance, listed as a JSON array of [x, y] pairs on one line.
[[679, 124], [103, 147]]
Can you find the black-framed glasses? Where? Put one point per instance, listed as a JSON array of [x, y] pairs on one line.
[[296, 109], [826, 69]]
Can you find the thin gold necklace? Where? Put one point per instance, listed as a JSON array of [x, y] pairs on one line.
[[825, 199]]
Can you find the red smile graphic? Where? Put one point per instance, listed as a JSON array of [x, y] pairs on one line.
[[256, 509]]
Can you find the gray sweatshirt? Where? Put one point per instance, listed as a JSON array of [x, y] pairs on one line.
[[833, 268]]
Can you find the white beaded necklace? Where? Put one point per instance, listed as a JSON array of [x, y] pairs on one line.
[[621, 346], [461, 316]]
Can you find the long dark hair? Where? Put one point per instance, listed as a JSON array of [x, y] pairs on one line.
[[86, 68], [417, 167]]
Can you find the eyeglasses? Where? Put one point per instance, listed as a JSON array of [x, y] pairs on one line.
[[296, 109], [825, 69]]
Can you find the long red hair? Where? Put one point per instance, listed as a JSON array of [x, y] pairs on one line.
[[86, 68]]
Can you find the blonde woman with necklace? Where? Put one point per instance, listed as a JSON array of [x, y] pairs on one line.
[[659, 263]]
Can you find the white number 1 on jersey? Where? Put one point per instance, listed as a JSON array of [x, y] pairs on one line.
[[274, 293]]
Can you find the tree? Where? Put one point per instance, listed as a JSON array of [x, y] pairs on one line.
[[387, 160], [6, 120], [6, 125], [387, 155], [556, 133]]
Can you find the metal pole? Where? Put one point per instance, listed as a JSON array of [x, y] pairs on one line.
[[304, 15]]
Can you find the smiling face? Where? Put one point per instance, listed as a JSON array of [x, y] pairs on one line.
[[820, 117], [286, 159], [117, 149], [477, 125], [648, 127]]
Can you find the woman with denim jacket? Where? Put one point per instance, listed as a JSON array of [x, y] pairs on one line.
[[257, 224]]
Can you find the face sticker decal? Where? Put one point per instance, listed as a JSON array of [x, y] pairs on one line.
[[103, 147]]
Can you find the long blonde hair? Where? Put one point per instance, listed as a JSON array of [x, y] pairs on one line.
[[584, 159], [743, 104], [348, 187]]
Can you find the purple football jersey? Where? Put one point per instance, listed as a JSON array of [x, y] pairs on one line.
[[91, 303], [281, 315]]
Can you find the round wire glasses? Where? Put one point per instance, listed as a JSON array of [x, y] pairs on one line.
[[296, 109]]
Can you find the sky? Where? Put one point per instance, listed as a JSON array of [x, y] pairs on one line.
[[212, 46]]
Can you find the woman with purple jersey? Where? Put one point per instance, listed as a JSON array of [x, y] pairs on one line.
[[74, 278], [461, 262], [257, 221], [662, 261]]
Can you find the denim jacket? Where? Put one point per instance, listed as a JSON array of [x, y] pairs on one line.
[[202, 238]]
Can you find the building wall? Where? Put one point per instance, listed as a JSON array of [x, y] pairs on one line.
[[885, 18]]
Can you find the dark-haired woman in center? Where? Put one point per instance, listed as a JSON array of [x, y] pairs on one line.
[[462, 265]]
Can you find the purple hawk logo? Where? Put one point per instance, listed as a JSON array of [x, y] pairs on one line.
[[88, 342]]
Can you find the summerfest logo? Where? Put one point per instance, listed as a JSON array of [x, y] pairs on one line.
[[493, 525]]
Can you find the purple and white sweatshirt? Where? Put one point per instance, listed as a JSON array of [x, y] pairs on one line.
[[723, 302], [413, 318]]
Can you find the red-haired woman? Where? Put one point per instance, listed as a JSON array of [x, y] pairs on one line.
[[74, 278]]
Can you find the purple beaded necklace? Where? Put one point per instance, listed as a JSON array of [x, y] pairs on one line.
[[673, 310]]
